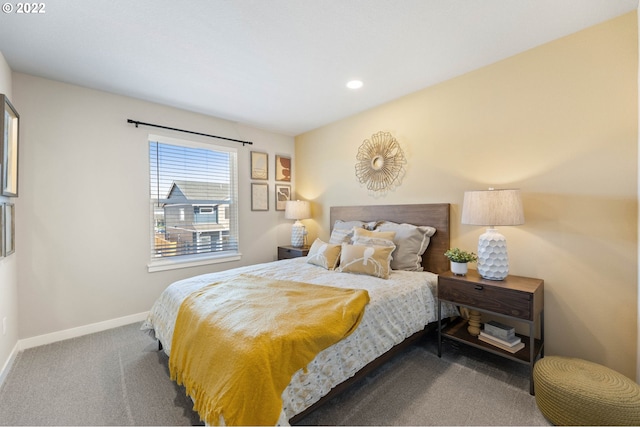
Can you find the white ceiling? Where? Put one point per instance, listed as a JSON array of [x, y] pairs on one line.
[[281, 65]]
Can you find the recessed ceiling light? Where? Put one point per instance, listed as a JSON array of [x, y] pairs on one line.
[[354, 84]]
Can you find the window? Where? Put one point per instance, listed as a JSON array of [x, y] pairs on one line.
[[193, 195]]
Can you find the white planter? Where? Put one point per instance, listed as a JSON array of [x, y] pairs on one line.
[[459, 268]]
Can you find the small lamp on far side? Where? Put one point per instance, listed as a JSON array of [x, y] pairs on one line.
[[492, 207], [297, 210]]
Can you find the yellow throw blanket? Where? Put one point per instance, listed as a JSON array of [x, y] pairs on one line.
[[237, 343]]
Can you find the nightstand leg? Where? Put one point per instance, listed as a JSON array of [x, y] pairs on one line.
[[532, 356], [542, 333], [439, 329]]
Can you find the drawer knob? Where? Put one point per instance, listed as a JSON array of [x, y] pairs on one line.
[[479, 287]]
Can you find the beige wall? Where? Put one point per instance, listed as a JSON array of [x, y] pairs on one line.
[[8, 265], [83, 232], [560, 123]]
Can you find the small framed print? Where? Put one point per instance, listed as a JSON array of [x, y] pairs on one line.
[[259, 197], [9, 123], [283, 194], [9, 229], [283, 168], [259, 165], [1, 230]]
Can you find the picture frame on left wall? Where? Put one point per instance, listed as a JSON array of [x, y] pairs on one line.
[[259, 197], [10, 124], [283, 168], [283, 194], [2, 230], [259, 165], [9, 229]]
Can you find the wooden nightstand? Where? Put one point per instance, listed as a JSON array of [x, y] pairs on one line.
[[286, 252], [516, 298]]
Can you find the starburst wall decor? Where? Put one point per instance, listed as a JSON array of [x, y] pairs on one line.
[[380, 162]]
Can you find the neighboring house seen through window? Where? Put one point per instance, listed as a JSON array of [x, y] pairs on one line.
[[193, 195]]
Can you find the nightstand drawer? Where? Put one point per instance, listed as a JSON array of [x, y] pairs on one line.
[[488, 297], [287, 252]]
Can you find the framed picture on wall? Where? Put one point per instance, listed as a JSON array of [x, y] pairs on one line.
[[259, 197], [259, 165], [9, 123], [283, 193], [9, 229], [283, 168], [1, 230]]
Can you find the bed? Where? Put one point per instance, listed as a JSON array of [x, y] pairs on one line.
[[401, 307]]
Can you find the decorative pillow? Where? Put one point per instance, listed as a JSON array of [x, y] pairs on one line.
[[370, 260], [373, 241], [340, 236], [343, 230], [324, 254], [373, 236], [411, 242]]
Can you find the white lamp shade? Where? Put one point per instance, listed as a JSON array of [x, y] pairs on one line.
[[492, 207], [298, 209]]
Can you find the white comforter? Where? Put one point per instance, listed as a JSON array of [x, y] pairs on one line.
[[399, 307]]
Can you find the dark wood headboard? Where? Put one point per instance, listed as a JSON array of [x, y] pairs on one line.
[[434, 214]]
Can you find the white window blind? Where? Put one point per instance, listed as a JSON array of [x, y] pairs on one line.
[[193, 195]]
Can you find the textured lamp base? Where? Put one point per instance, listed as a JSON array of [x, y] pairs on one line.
[[493, 262], [297, 234]]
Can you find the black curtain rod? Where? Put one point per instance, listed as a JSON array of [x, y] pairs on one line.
[[135, 122]]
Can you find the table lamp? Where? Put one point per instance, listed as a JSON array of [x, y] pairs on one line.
[[297, 210], [492, 207]]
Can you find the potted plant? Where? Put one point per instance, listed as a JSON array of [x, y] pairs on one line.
[[459, 260]]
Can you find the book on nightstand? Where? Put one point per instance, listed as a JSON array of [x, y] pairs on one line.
[[509, 343], [504, 345], [500, 330]]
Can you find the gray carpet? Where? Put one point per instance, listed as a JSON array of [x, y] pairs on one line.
[[464, 387], [118, 377]]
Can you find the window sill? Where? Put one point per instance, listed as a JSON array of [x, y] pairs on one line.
[[190, 261]]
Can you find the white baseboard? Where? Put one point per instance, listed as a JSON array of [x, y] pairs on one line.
[[8, 364], [80, 331], [65, 335]]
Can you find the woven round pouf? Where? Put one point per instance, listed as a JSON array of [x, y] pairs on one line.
[[572, 391]]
